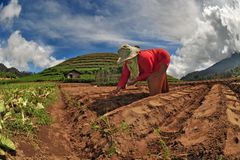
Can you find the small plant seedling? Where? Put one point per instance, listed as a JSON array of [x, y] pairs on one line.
[[112, 150], [95, 126], [166, 152], [124, 127], [106, 121], [107, 128], [220, 157]]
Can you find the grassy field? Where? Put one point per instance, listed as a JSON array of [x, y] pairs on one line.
[[23, 110]]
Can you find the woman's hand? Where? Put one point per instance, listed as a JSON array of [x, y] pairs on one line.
[[131, 82], [116, 91]]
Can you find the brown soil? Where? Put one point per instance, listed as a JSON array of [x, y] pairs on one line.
[[196, 121], [51, 142]]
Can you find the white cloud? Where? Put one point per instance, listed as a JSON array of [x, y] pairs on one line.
[[131, 22], [10, 11], [214, 39], [20, 53], [158, 19]]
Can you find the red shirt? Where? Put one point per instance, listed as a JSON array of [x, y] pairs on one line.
[[149, 61]]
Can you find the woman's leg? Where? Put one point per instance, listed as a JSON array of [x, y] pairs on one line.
[[165, 87], [157, 81], [154, 83]]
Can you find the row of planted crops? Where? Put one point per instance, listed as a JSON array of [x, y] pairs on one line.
[[22, 111]]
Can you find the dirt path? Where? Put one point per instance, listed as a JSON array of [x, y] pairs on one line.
[[52, 142]]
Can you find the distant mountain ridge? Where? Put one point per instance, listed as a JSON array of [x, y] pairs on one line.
[[13, 70], [222, 69], [3, 68]]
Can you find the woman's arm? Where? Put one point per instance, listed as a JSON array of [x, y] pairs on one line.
[[124, 76], [123, 79]]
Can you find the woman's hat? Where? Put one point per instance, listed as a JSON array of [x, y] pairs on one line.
[[127, 52]]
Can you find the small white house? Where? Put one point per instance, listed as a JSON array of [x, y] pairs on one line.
[[73, 74]]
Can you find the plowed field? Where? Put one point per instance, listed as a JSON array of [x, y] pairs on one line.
[[192, 121]]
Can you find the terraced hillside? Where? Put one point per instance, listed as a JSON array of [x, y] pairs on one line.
[[85, 63]]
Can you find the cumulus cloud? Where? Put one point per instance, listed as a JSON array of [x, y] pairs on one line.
[[158, 19], [20, 53], [115, 22], [10, 11], [215, 38]]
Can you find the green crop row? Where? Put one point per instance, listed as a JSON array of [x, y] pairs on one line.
[[94, 65], [7, 75], [34, 78], [84, 78], [91, 60], [23, 110]]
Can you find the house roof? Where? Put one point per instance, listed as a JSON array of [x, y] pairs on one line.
[[73, 70]]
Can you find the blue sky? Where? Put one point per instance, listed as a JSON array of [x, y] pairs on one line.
[[36, 34]]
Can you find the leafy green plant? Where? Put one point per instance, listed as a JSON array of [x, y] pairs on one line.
[[6, 143], [104, 126], [23, 109]]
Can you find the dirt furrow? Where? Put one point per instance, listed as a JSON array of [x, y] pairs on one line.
[[140, 118], [189, 122], [51, 142], [168, 112], [206, 132], [232, 145], [235, 87]]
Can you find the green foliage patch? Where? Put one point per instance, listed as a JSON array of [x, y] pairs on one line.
[[7, 75], [23, 109]]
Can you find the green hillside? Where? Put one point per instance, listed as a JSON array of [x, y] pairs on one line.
[[7, 75], [172, 79], [89, 62], [235, 72], [87, 65]]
